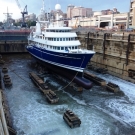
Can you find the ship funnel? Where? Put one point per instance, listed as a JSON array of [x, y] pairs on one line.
[[38, 28]]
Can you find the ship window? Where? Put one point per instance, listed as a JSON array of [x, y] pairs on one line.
[[58, 48], [75, 47], [72, 47], [51, 47], [69, 47], [55, 47], [62, 48], [63, 39], [60, 39], [57, 39], [69, 39], [47, 46], [56, 30], [66, 39], [54, 39]]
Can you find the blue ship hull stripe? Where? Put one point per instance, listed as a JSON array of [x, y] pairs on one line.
[[61, 65]]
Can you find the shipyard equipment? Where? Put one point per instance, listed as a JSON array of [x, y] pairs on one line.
[[23, 13], [71, 119]]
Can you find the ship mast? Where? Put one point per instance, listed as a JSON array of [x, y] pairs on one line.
[[8, 15], [43, 5]]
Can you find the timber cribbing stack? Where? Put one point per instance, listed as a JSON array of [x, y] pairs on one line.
[[99, 81]]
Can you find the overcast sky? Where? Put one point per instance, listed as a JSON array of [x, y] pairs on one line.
[[34, 6]]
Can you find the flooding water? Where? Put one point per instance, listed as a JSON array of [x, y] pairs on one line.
[[101, 112]]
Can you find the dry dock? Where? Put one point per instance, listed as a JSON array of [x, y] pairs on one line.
[[101, 112]]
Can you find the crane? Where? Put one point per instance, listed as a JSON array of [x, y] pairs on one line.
[[22, 12]]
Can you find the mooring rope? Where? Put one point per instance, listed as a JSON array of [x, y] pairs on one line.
[[73, 77]]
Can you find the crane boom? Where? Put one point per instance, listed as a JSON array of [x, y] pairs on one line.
[[18, 4], [22, 12]]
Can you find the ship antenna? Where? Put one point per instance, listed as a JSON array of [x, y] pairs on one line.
[[43, 5], [44, 9]]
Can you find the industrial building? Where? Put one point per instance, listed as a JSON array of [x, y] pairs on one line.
[[132, 13], [74, 11]]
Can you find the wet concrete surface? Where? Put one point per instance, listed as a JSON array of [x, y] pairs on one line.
[[101, 112]]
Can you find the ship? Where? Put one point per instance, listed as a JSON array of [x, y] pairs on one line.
[[58, 48], [13, 39]]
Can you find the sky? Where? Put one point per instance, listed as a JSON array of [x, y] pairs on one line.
[[34, 6]]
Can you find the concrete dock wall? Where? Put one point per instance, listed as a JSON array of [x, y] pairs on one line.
[[13, 41], [114, 51], [13, 46], [3, 124]]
